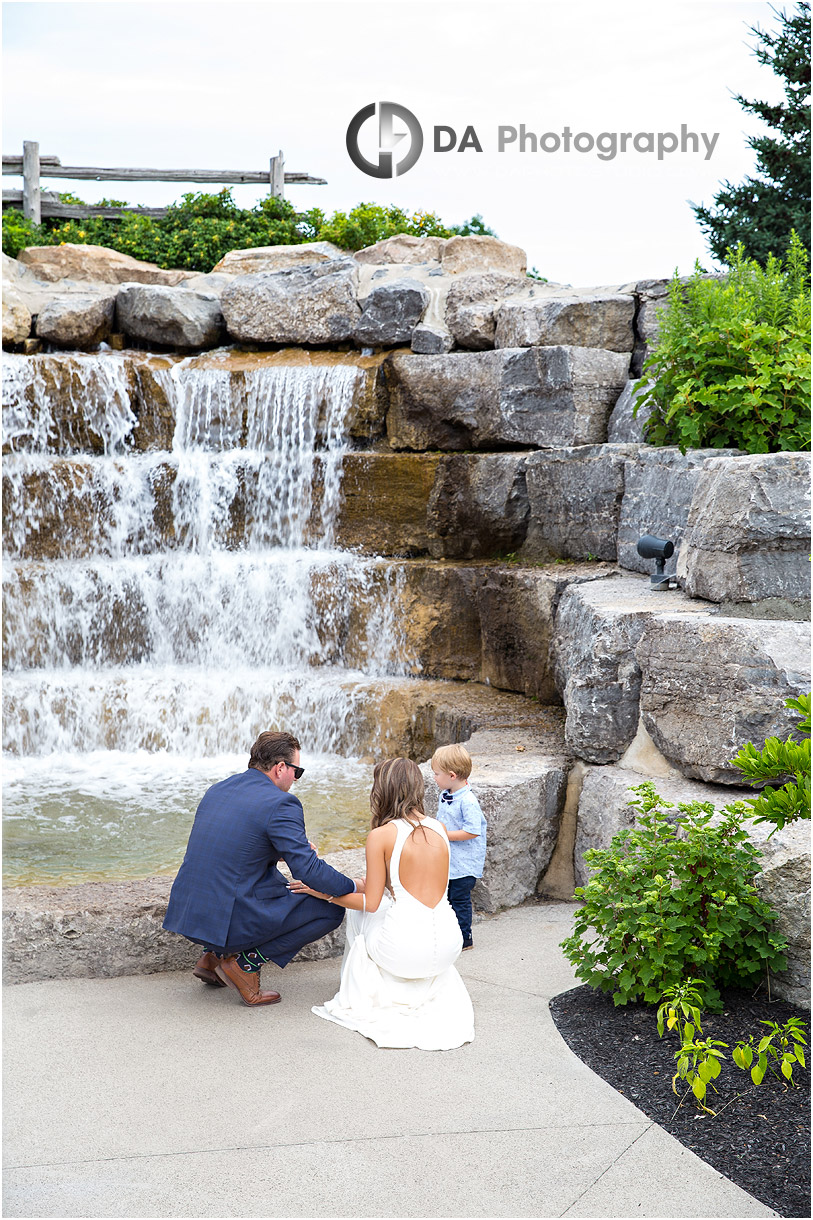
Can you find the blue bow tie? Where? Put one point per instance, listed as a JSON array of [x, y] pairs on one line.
[[447, 795]]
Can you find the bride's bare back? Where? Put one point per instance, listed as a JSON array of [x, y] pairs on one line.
[[424, 866]]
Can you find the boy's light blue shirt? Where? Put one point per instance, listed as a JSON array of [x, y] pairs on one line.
[[467, 856]]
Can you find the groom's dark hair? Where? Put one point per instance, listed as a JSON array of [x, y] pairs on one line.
[[272, 748]]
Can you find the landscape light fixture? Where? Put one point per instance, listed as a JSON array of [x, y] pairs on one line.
[[659, 549]]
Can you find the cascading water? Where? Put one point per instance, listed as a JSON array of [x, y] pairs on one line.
[[163, 607]]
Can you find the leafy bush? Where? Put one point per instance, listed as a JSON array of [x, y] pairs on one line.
[[370, 222], [779, 760], [670, 899], [201, 228], [19, 232], [732, 363]]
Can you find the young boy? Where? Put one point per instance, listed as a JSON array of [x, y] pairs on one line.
[[460, 812]]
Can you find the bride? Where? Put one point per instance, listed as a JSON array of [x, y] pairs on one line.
[[398, 983]]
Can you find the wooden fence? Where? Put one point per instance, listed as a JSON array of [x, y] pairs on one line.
[[36, 203]]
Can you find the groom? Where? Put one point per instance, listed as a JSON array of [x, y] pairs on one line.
[[229, 895]]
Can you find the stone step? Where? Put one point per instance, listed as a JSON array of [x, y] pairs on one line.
[[701, 684], [167, 708], [482, 622], [516, 397], [114, 402], [449, 506]]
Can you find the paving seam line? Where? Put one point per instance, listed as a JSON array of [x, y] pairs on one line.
[[623, 1152], [367, 1139], [536, 995]]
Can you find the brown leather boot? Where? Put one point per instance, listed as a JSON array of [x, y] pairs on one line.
[[246, 983], [205, 970]]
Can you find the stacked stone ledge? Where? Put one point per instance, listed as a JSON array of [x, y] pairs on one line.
[[433, 294]]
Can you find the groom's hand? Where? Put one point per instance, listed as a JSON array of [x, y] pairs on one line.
[[360, 884]]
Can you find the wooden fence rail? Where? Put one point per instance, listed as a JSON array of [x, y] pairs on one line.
[[36, 203]]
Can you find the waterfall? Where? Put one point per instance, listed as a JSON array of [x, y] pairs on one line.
[[164, 605]]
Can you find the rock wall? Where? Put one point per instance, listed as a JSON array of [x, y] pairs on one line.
[[499, 472]]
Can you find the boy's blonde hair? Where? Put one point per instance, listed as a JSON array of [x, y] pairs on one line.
[[453, 760]]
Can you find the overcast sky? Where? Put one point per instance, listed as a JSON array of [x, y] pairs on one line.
[[216, 85]]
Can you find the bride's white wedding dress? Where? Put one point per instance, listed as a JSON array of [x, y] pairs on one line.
[[398, 984]]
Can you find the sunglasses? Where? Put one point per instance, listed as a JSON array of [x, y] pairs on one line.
[[298, 771]]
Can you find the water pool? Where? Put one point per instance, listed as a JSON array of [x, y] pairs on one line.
[[115, 816]]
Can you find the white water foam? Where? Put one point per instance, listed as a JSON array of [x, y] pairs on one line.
[[174, 604]]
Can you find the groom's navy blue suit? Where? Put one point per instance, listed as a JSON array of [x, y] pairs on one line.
[[230, 896]]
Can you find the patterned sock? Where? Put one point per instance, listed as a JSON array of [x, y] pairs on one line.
[[251, 961]]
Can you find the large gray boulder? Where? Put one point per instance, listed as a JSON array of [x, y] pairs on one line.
[[462, 255], [784, 879], [543, 396], [598, 626], [574, 495], [604, 809], [658, 488], [77, 321], [16, 315], [471, 303], [391, 313], [748, 531], [478, 505], [623, 426], [173, 317], [590, 319], [276, 258], [314, 304], [710, 684]]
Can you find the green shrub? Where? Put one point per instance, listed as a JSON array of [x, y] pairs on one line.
[[732, 363], [670, 899], [368, 223], [197, 231], [19, 232], [779, 760]]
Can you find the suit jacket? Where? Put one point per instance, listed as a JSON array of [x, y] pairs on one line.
[[228, 892]]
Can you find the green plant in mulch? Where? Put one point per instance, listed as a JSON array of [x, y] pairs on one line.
[[699, 1060], [782, 1047]]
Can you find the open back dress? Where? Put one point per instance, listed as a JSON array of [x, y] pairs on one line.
[[398, 984]]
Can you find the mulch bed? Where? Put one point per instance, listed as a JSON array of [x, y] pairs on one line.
[[760, 1137]]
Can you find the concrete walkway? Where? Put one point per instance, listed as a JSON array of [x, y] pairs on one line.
[[157, 1096]]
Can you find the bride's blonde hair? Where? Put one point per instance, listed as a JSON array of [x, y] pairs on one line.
[[397, 791]]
